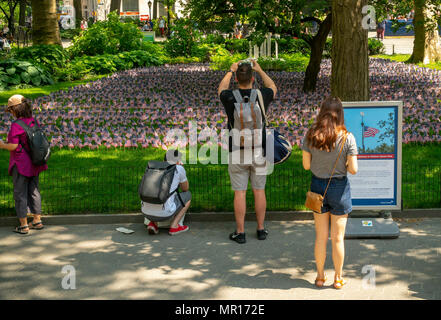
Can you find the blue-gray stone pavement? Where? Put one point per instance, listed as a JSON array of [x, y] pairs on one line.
[[203, 264]]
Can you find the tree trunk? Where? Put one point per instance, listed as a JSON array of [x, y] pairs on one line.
[[317, 47], [115, 5], [11, 20], [78, 12], [168, 18], [426, 46], [22, 13], [45, 28], [350, 56]]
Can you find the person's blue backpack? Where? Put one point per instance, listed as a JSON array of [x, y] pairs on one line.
[[282, 147]]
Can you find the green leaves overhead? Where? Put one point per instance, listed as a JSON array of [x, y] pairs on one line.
[[259, 15]]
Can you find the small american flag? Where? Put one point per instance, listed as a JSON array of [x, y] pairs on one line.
[[370, 132]]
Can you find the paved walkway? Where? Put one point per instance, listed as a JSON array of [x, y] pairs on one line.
[[401, 45], [204, 264]]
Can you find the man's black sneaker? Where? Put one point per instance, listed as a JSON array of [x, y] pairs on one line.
[[261, 234], [238, 237]]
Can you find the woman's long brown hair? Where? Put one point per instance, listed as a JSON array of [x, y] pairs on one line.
[[330, 121]]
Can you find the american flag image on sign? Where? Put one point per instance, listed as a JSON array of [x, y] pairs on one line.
[[370, 132]]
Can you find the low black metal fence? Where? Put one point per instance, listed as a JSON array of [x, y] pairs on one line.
[[115, 189]]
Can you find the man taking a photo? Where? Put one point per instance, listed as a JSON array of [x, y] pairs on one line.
[[239, 105]]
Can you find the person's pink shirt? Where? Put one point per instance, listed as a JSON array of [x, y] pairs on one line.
[[20, 156]]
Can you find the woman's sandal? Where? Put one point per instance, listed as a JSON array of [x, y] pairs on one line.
[[20, 230], [338, 284], [34, 226], [320, 280]]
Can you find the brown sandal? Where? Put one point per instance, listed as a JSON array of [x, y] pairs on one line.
[[320, 280]]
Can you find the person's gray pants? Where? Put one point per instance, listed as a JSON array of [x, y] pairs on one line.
[[26, 194]]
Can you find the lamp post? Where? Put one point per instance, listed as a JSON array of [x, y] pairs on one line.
[[150, 9]]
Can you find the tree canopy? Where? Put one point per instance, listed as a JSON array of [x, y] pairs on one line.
[[262, 16]]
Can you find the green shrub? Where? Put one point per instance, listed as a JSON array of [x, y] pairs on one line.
[[75, 70], [204, 51], [290, 45], [287, 62], [237, 45], [49, 57], [15, 72], [108, 63], [107, 37], [102, 64], [224, 62], [70, 33], [375, 47], [184, 39], [181, 60], [327, 52], [155, 48], [214, 39], [140, 58]]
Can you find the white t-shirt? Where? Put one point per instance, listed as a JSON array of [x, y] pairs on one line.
[[169, 207]]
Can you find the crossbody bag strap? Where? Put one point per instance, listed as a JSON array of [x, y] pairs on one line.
[[335, 165]]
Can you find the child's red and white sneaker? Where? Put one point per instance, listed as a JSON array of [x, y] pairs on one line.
[[152, 227], [177, 230]]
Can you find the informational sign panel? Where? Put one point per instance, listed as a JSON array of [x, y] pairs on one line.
[[377, 127]]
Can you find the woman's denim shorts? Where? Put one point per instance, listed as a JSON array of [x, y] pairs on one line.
[[338, 198]]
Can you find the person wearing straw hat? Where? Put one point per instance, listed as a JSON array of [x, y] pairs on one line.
[[24, 173]]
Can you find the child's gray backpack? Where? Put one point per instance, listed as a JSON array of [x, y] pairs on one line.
[[39, 146], [247, 120], [156, 182]]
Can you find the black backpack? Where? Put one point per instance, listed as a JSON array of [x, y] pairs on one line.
[[40, 148], [156, 182]]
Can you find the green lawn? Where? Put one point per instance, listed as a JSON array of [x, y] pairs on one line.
[[405, 57], [106, 181], [36, 92]]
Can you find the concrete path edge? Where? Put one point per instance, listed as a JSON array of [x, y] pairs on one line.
[[74, 219]]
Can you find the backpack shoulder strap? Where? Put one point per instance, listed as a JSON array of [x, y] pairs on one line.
[[237, 96], [253, 96], [262, 106], [26, 129], [22, 124]]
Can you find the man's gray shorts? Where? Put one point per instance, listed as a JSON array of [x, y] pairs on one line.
[[244, 170], [185, 196]]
